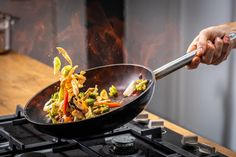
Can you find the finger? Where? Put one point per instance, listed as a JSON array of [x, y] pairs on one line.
[[224, 53], [209, 53], [226, 47], [194, 64], [196, 60], [229, 48], [218, 48], [202, 42], [193, 45]]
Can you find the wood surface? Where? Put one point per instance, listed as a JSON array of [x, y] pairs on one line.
[[21, 77]]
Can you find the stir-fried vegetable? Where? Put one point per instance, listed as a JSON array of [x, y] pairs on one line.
[[71, 103], [113, 91], [114, 104], [139, 85], [64, 54], [130, 89], [65, 102], [56, 65]]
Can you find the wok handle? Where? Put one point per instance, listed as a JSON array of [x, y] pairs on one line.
[[174, 65], [179, 62]]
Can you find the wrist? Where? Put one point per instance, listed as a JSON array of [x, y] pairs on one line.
[[225, 28]]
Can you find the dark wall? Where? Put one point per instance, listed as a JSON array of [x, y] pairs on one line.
[[90, 31], [34, 33]]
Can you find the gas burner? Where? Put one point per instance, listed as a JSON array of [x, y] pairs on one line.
[[106, 151], [123, 145]]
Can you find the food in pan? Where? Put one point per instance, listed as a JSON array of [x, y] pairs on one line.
[[135, 87], [72, 103]]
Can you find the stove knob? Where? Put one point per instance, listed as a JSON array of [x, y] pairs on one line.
[[190, 140], [156, 123], [206, 149], [142, 118]]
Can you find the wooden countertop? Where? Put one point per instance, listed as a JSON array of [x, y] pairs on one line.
[[22, 77]]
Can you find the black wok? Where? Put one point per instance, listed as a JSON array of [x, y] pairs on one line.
[[119, 75]]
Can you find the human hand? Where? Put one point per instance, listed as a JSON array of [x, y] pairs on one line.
[[213, 44]]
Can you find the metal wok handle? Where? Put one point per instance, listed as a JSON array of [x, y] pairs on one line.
[[174, 65], [179, 62]]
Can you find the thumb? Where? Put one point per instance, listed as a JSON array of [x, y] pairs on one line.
[[202, 42], [193, 45]]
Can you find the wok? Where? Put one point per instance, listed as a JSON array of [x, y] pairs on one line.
[[119, 75]]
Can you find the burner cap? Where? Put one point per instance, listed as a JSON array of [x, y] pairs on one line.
[[124, 139], [33, 154], [123, 145]]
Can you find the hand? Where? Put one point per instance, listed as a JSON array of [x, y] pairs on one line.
[[214, 46]]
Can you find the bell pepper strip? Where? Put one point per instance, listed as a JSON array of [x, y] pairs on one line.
[[65, 101], [113, 104]]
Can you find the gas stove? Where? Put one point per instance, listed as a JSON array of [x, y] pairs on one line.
[[141, 137]]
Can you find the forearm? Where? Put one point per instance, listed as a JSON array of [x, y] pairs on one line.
[[230, 27]]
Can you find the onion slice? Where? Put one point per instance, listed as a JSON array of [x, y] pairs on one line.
[[130, 89]]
